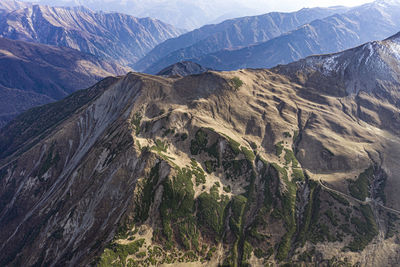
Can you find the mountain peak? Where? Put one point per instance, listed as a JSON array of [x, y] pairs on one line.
[[183, 68]]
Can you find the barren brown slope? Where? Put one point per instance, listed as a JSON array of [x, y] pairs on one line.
[[35, 74], [295, 165], [135, 152]]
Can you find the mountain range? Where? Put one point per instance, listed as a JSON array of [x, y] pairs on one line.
[[36, 74], [188, 15], [229, 34], [10, 5], [373, 21], [110, 36], [296, 165]]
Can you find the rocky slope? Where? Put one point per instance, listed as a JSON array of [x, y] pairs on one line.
[[108, 36], [373, 21], [36, 74], [227, 35], [293, 165]]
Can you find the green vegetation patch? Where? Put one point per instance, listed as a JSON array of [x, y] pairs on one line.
[[249, 155], [198, 173], [366, 229], [136, 119], [237, 83], [236, 168], [146, 194], [160, 146], [279, 148], [298, 174], [287, 135], [290, 158], [177, 209], [211, 211], [339, 198], [199, 143], [116, 254], [360, 187], [286, 212], [332, 217]]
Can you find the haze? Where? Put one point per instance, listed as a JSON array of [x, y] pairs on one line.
[[189, 14]]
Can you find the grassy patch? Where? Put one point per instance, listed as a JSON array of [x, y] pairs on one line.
[[290, 158], [160, 146], [298, 175], [248, 154], [279, 148], [360, 187]]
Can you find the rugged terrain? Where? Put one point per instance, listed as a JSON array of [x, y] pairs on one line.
[[229, 34], [36, 74], [106, 35], [373, 21], [296, 165]]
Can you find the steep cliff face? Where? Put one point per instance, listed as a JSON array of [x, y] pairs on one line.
[[107, 35], [232, 168], [36, 74]]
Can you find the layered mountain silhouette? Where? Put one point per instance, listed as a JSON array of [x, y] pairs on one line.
[[295, 165], [111, 36], [335, 33], [180, 13], [228, 34], [36, 74], [10, 5]]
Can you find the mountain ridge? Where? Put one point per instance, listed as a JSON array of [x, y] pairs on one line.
[[87, 31], [338, 32], [36, 74], [220, 168], [231, 33]]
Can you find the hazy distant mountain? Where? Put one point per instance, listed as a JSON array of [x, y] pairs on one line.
[[10, 5], [109, 36], [180, 13], [341, 31], [228, 34], [35, 74], [183, 68]]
